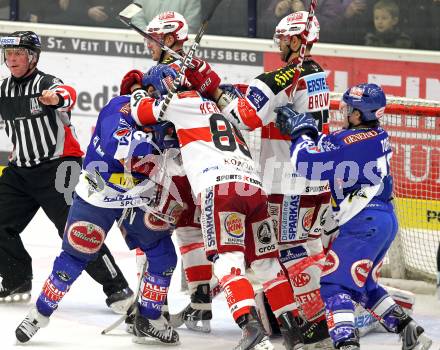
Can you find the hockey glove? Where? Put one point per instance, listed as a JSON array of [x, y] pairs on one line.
[[203, 78], [295, 124], [132, 77]]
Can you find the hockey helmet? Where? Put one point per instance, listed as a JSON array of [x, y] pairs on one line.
[[169, 23], [369, 99], [295, 24], [161, 77], [22, 39]]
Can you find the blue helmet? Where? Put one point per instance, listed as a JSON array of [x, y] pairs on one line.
[[160, 77], [369, 99]]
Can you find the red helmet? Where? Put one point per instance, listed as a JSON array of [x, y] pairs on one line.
[[169, 23], [295, 24]]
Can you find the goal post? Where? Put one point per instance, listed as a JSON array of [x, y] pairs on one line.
[[414, 129]]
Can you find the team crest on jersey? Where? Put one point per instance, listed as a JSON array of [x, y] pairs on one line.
[[331, 263], [360, 271], [257, 97], [35, 106], [307, 219]]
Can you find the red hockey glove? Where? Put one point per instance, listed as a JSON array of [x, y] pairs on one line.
[[132, 77], [203, 78]]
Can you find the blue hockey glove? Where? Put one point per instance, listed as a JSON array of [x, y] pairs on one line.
[[165, 135], [295, 124]]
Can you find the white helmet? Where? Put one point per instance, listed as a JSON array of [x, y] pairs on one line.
[[295, 24], [169, 23]]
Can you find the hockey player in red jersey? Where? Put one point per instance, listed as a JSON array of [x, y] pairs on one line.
[[171, 29], [237, 229], [299, 208]]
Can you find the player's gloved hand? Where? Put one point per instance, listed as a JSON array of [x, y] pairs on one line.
[[295, 124], [130, 78], [165, 135], [202, 77]]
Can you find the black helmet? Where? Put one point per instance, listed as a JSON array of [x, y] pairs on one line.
[[26, 39]]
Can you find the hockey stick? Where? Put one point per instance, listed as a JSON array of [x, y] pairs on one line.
[[302, 50], [125, 17], [132, 308], [188, 58]]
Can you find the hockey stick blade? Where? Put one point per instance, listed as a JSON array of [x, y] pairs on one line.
[[133, 306], [129, 12]]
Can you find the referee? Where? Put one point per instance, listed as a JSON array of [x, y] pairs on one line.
[[36, 110]]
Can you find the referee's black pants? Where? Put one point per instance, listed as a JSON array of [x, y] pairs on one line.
[[22, 192]]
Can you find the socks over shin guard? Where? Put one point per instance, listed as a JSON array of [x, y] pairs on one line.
[[66, 270], [154, 293], [239, 294]]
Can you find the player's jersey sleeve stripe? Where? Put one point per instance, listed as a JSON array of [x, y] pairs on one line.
[[271, 132], [187, 136]]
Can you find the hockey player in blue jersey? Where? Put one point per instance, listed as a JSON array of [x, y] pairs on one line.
[[356, 162], [105, 192]]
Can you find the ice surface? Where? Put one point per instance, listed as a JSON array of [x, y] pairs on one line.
[[83, 314]]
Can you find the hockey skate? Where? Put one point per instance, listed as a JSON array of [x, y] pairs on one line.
[[253, 334], [198, 311], [148, 331], [291, 332], [30, 325], [120, 301], [414, 338], [20, 294], [315, 335]]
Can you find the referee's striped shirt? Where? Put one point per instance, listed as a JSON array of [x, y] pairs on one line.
[[38, 132]]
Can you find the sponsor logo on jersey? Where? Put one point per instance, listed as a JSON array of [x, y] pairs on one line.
[[317, 91], [85, 237], [289, 218], [316, 84], [35, 106], [263, 232], [152, 291], [293, 253], [240, 164], [154, 223], [244, 178], [234, 226], [301, 279], [307, 219], [257, 97], [274, 212], [284, 76], [318, 189], [350, 139], [208, 218], [331, 263], [360, 271]]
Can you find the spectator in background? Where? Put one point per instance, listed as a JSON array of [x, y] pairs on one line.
[[387, 32], [74, 12], [4, 9], [328, 13], [230, 18], [356, 16], [190, 9]]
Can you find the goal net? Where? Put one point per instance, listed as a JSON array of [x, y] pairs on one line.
[[414, 129]]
